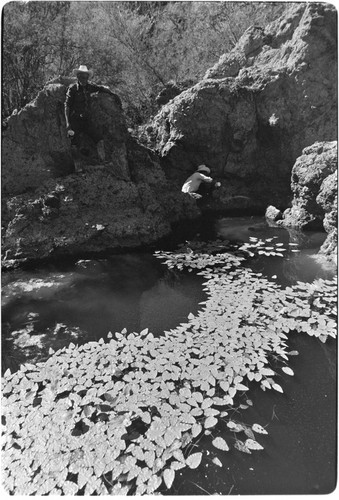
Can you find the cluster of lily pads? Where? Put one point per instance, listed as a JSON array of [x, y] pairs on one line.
[[268, 247], [122, 415]]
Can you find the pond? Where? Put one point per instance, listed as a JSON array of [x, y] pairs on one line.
[[64, 302]]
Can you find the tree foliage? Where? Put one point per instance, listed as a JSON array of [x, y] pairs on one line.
[[135, 47]]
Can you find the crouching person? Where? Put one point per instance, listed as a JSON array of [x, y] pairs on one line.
[[200, 177]]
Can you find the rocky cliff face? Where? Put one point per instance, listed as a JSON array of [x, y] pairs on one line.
[[48, 209], [256, 109]]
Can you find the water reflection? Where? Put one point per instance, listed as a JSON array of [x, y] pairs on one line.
[[301, 265], [76, 303]]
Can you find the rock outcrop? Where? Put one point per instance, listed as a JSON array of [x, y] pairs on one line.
[[255, 111], [315, 199], [249, 119], [328, 200], [49, 210], [273, 214], [35, 147]]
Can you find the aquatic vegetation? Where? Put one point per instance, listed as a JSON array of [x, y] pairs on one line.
[[119, 416], [268, 247]]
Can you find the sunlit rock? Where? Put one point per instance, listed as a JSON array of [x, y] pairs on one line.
[[48, 210], [314, 186], [255, 111], [273, 213]]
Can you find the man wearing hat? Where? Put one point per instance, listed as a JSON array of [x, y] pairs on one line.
[[192, 184], [78, 114]]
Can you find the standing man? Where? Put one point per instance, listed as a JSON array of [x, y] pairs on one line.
[[78, 114]]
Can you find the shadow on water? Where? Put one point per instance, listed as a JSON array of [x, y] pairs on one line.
[[67, 302]]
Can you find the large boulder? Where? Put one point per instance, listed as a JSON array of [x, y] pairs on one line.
[[310, 171], [35, 147], [315, 200], [255, 111], [49, 210], [328, 200]]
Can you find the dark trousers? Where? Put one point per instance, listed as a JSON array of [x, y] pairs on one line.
[[82, 125]]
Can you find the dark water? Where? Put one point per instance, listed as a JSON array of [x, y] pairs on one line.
[[132, 291], [90, 298], [300, 455]]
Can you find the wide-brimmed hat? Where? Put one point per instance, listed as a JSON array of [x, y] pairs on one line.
[[203, 168], [83, 69]]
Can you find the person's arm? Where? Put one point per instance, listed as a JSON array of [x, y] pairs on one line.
[[205, 178], [67, 117], [210, 180], [68, 104]]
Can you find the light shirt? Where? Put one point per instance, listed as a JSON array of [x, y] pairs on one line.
[[193, 182]]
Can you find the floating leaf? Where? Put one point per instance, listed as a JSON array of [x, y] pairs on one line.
[[196, 430], [69, 488], [193, 461], [178, 465], [169, 475], [217, 462], [251, 444], [210, 422], [234, 427], [153, 484], [178, 454], [240, 446], [259, 429], [267, 371], [220, 443], [241, 387], [288, 370], [224, 386], [207, 403], [277, 387], [211, 412], [249, 433], [146, 417], [266, 383]]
